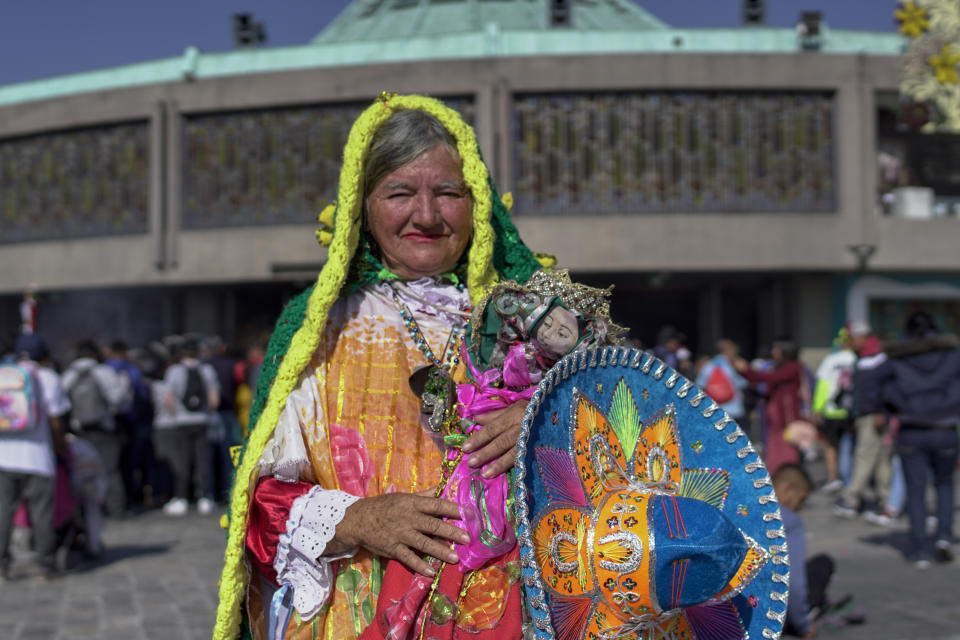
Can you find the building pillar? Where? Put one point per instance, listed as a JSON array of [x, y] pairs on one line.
[[172, 310], [710, 317], [201, 312], [486, 116], [503, 122], [228, 316], [157, 191], [771, 313], [174, 190]]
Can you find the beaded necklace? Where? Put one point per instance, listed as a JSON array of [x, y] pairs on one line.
[[454, 441], [449, 358]]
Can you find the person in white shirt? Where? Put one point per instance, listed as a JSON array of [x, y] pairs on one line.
[[28, 458], [192, 393]]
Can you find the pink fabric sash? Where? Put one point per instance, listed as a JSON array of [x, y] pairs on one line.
[[482, 501], [483, 395], [483, 513]]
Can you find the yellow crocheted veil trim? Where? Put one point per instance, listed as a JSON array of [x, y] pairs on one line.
[[480, 275]]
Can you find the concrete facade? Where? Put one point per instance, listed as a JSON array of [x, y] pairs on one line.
[[792, 253], [698, 241]]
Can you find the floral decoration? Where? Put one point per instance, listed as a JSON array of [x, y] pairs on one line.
[[930, 71], [912, 18]]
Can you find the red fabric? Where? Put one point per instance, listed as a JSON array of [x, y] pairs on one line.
[[269, 510], [783, 407], [490, 609], [240, 372]]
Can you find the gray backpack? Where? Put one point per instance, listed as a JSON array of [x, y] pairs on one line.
[[89, 407]]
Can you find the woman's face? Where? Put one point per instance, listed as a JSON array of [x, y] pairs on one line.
[[776, 353], [420, 215], [558, 331]]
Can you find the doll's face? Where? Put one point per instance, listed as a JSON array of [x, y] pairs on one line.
[[557, 333]]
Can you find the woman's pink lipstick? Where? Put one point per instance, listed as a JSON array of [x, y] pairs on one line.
[[424, 237]]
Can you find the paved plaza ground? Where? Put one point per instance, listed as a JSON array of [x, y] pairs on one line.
[[900, 601], [158, 581]]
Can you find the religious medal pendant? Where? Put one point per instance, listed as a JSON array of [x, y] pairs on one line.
[[439, 398]]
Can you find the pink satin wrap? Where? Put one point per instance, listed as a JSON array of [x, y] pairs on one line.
[[483, 514], [482, 501], [483, 395]]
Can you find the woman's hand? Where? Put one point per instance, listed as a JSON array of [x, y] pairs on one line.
[[497, 440], [401, 526]]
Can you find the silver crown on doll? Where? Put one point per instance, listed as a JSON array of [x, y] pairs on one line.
[[589, 301], [555, 283]]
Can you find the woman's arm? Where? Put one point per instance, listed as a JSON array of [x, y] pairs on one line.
[[398, 525], [783, 373], [289, 526], [403, 526], [269, 510]]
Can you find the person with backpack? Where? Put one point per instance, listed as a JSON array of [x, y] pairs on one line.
[[833, 397], [97, 395], [32, 405], [136, 422], [919, 384], [723, 384], [193, 392]]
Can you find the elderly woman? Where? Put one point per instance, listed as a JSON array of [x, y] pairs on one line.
[[337, 476]]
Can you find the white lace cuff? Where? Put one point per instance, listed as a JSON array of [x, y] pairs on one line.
[[311, 524]]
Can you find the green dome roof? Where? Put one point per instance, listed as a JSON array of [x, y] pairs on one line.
[[395, 31], [365, 20]]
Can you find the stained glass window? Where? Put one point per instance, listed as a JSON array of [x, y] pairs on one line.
[[674, 151], [77, 183], [272, 166]]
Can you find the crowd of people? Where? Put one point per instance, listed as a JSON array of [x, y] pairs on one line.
[[113, 432], [884, 417], [152, 427]]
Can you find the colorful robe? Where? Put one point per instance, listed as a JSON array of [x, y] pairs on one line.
[[353, 424]]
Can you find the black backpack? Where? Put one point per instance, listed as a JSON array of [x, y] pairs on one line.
[[195, 393]]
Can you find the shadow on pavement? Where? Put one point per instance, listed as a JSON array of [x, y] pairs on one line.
[[77, 563], [899, 540]]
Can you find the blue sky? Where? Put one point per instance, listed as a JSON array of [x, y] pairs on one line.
[[43, 38]]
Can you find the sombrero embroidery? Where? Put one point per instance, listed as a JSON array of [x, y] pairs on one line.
[[628, 538]]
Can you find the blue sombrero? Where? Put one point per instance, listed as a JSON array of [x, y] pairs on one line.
[[642, 508]]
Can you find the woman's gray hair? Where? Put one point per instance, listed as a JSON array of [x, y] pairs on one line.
[[400, 140]]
